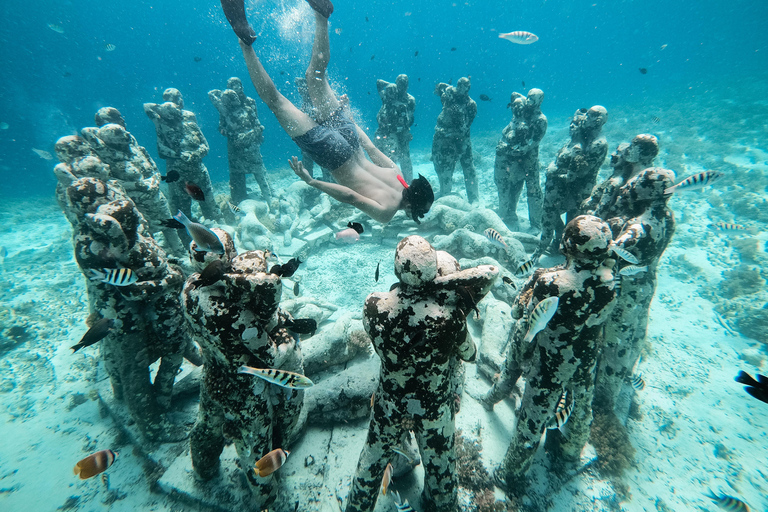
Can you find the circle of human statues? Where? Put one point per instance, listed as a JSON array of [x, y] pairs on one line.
[[236, 312]]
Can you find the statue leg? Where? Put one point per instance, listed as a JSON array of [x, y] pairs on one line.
[[533, 190], [438, 454], [444, 157], [403, 154], [206, 442], [260, 175], [470, 174]]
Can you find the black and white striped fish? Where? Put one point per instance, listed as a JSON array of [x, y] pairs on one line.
[[637, 382], [729, 503], [540, 317], [402, 506], [562, 412], [631, 270], [282, 378], [695, 182], [726, 226], [520, 37], [526, 267], [624, 254], [116, 276], [494, 236], [235, 209]]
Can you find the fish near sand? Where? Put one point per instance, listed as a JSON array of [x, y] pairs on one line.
[[235, 209], [286, 269], [280, 378], [301, 325], [351, 234], [526, 267], [520, 37], [540, 317], [562, 412], [402, 506], [508, 281], [729, 227], [376, 275], [116, 276], [96, 333], [173, 175], [494, 236], [636, 381], [194, 191], [271, 462], [205, 239], [94, 464], [756, 388], [386, 479], [695, 182], [729, 503]]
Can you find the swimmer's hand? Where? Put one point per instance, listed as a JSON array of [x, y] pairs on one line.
[[298, 168]]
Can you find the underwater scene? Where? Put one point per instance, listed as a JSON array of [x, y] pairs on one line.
[[445, 256]]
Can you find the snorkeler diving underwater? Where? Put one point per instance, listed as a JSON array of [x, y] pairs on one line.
[[239, 271]]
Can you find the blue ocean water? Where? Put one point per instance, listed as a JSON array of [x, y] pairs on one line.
[[706, 79], [588, 53]]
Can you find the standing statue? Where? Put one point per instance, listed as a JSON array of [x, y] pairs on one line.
[[137, 289], [239, 123], [627, 162], [571, 177], [396, 115], [451, 142], [419, 331], [559, 361], [517, 158], [237, 322], [183, 146], [131, 165], [643, 225]]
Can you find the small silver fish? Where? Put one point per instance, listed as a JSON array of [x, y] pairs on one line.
[[695, 182], [56, 28], [726, 226], [637, 382], [728, 502], [206, 240], [540, 317], [281, 378], [399, 452], [402, 506], [43, 154], [562, 412], [235, 209], [526, 267], [624, 254], [109, 47], [494, 236], [631, 270], [116, 276], [520, 37]]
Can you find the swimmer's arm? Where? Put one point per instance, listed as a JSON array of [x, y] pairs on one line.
[[377, 157]]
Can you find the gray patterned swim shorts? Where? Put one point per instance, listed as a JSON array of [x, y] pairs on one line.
[[332, 142]]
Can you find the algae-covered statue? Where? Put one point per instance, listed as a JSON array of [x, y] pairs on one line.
[[136, 288], [396, 115], [451, 142], [627, 162], [571, 177], [419, 331], [231, 305], [557, 357], [131, 165], [643, 225], [239, 123], [517, 158], [182, 145]]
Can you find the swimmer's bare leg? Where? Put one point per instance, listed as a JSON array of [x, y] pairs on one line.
[[294, 121], [323, 97]]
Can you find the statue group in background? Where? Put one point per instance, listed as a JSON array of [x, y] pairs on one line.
[[396, 115]]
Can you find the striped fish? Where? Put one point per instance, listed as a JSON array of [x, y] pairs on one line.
[[526, 267], [624, 254], [631, 270], [695, 182], [206, 240], [401, 453], [637, 382], [494, 236], [725, 226], [94, 464], [540, 317], [235, 209], [386, 479], [116, 276], [617, 285], [520, 37], [562, 412], [271, 462], [402, 506], [282, 378], [729, 503]]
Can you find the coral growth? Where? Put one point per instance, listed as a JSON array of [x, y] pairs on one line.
[[359, 343], [609, 436], [474, 477]]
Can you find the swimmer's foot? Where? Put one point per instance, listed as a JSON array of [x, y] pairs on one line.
[[322, 7], [234, 10]]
